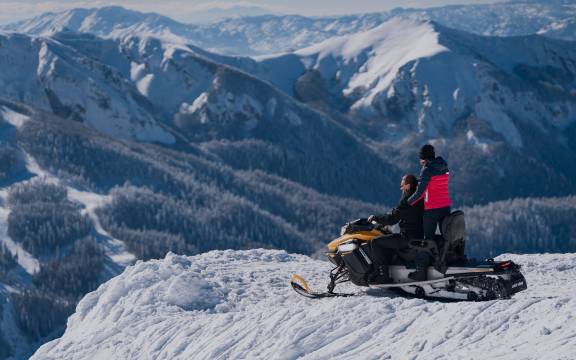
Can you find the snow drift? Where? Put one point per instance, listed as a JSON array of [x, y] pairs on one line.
[[238, 304]]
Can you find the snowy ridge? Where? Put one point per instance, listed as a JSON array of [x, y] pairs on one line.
[[238, 304], [268, 34], [375, 55], [420, 77], [57, 78]]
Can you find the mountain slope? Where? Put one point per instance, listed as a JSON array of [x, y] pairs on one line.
[[148, 90], [51, 76], [423, 77], [502, 102], [239, 305], [273, 34], [83, 192]]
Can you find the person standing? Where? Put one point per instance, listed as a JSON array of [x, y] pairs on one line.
[[433, 188]]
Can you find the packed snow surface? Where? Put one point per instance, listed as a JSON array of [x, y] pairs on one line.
[[239, 305]]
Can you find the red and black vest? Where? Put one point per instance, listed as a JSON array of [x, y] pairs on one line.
[[433, 185]]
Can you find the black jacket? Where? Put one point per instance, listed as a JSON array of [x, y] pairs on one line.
[[408, 218]]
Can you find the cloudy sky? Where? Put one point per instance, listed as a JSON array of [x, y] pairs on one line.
[[195, 10]]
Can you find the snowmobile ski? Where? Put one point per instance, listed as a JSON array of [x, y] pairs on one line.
[[301, 287]]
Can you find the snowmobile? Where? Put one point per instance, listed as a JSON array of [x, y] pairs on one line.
[[451, 276]]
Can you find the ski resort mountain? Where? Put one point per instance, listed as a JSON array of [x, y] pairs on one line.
[[267, 34], [237, 304]]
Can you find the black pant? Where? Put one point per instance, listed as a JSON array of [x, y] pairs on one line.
[[381, 247], [432, 219]]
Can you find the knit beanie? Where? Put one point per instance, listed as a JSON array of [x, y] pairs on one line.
[[427, 152]]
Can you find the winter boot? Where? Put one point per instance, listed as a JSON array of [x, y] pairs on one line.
[[380, 276], [422, 262]]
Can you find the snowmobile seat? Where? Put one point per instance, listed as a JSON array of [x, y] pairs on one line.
[[454, 233]]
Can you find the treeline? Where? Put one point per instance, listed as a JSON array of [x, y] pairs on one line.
[[42, 219], [177, 195], [4, 347], [531, 225], [8, 160], [51, 227], [7, 261], [152, 224], [43, 308], [40, 314], [73, 275], [162, 200]]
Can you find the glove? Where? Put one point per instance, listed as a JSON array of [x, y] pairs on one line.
[[372, 218]]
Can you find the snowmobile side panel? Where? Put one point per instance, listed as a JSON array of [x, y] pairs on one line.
[[413, 283], [363, 236]]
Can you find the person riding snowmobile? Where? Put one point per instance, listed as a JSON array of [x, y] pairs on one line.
[[408, 218], [433, 188]]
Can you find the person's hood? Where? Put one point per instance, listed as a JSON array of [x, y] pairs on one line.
[[438, 165]]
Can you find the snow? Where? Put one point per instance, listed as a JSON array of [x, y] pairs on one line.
[[144, 84], [426, 77], [238, 304], [115, 249], [46, 74], [387, 47], [13, 118], [472, 139], [275, 34]]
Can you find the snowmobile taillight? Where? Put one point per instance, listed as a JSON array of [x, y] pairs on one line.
[[505, 264], [348, 246]]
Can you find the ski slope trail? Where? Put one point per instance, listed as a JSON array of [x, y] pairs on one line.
[[239, 305]]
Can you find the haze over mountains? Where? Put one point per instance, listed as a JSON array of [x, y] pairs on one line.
[[268, 34], [154, 138]]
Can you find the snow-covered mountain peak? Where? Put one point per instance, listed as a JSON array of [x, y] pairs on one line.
[[419, 77], [56, 77], [391, 34], [238, 304], [378, 53], [269, 34], [109, 21]]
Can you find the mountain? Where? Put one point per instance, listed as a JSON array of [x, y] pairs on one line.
[[370, 98], [238, 304], [149, 90], [267, 34], [77, 206], [56, 78], [216, 13], [506, 103], [127, 146]]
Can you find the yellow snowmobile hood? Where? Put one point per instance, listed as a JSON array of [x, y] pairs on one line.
[[363, 236]]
